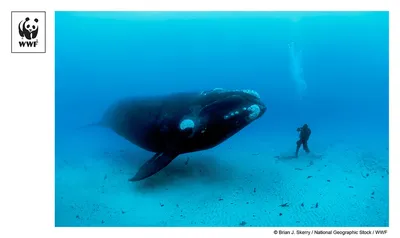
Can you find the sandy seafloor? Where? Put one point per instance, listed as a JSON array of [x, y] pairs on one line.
[[239, 183]]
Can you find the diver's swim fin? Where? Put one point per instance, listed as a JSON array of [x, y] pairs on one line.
[[154, 165]]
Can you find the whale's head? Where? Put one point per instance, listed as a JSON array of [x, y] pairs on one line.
[[222, 114]]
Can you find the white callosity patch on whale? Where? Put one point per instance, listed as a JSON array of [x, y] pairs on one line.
[[251, 92], [254, 111], [215, 89], [185, 124], [234, 113], [248, 91]]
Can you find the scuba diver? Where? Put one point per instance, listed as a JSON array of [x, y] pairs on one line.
[[305, 133]]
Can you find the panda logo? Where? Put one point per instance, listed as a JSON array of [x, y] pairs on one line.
[[28, 28]]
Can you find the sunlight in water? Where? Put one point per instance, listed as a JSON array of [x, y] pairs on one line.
[[296, 70]]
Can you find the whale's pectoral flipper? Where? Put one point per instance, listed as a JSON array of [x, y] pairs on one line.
[[154, 165]]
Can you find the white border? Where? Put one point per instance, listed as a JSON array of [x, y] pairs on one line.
[[27, 116]]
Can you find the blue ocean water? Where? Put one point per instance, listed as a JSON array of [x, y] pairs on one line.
[[326, 69]]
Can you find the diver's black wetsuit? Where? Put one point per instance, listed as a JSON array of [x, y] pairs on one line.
[[305, 133]]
